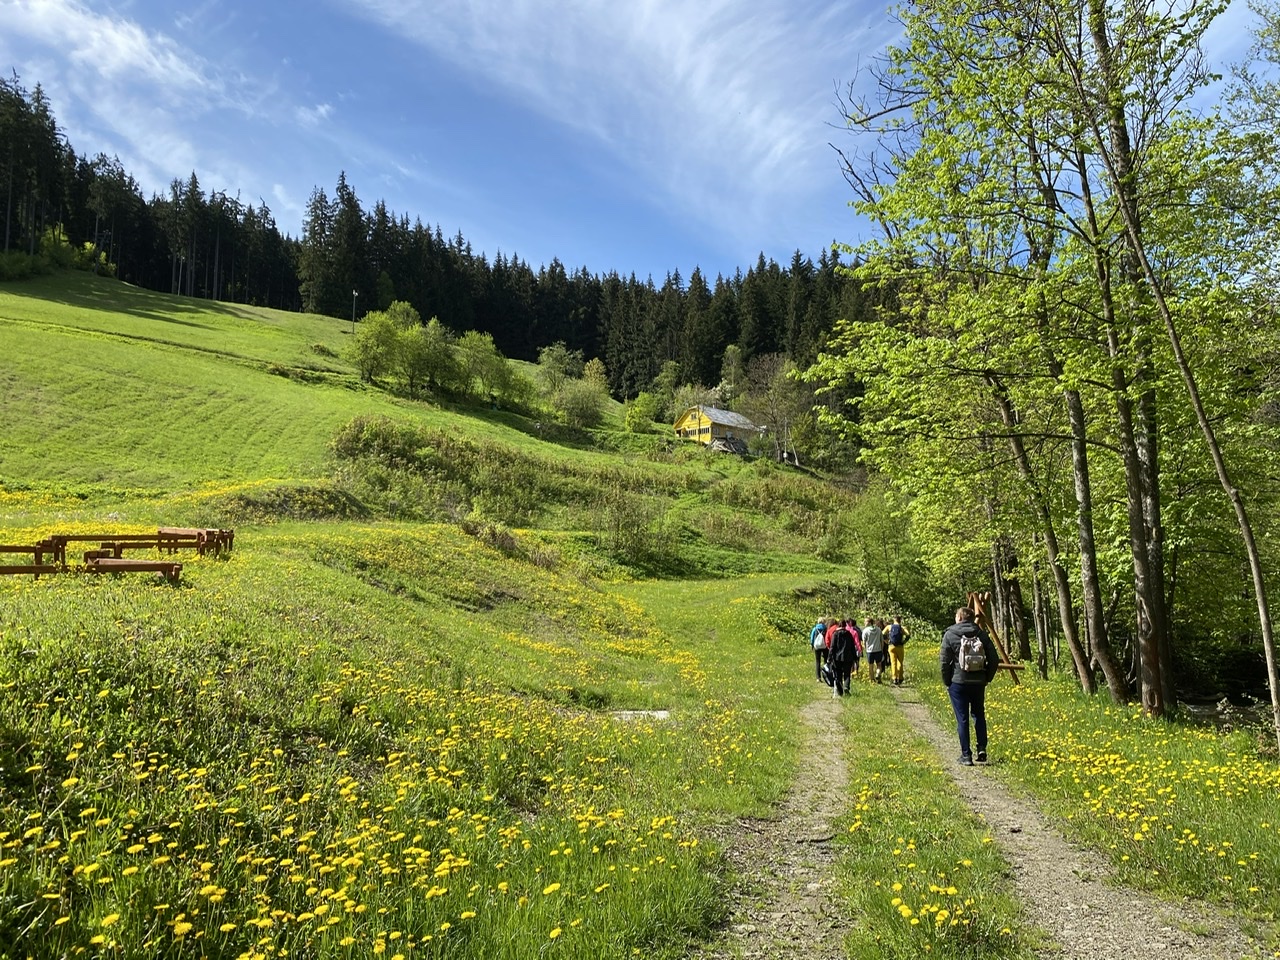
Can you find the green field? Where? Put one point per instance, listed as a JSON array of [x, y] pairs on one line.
[[460, 690]]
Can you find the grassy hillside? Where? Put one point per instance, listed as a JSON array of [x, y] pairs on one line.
[[468, 686], [358, 733]]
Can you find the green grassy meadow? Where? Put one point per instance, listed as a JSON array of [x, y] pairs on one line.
[[460, 691]]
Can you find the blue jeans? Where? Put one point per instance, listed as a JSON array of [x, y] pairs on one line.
[[966, 699]]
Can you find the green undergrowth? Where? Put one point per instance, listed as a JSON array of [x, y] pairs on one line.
[[662, 519], [1178, 809], [918, 872]]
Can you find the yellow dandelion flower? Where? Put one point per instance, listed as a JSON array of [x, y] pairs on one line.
[[227, 927], [554, 933], [109, 919], [550, 889]]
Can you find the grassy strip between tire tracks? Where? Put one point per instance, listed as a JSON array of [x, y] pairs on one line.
[[918, 871]]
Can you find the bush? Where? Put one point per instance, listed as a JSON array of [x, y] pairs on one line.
[[642, 412], [580, 404], [15, 265]]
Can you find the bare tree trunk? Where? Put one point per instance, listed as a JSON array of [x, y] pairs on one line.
[[1018, 618], [1062, 585], [1090, 589], [1040, 616], [1115, 158]]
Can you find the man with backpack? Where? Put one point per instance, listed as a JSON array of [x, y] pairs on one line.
[[873, 646], [969, 662]]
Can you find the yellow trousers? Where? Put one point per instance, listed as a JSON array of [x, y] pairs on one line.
[[895, 661]]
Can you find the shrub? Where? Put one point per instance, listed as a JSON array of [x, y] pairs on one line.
[[642, 412], [580, 403]]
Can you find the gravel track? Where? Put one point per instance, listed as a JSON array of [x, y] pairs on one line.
[[783, 905]]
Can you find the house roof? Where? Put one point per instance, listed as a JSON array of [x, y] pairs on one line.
[[725, 418]]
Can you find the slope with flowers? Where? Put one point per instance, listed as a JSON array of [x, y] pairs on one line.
[[355, 735]]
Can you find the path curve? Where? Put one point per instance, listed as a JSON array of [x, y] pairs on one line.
[[1069, 892]]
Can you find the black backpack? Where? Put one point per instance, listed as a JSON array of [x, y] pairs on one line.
[[842, 644]]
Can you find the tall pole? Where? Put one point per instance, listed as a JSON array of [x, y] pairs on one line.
[[354, 294]]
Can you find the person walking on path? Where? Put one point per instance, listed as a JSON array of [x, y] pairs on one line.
[[818, 640], [873, 645], [852, 626], [897, 638], [842, 652], [969, 662]]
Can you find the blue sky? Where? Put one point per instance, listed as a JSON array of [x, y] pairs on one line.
[[645, 136]]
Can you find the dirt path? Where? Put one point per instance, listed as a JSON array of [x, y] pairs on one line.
[[783, 907], [1069, 892]]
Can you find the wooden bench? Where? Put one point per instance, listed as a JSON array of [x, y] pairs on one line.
[[36, 552], [58, 542], [171, 571], [33, 569], [206, 540]]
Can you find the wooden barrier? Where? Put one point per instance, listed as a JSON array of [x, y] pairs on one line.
[[203, 540], [35, 551], [58, 541], [171, 571]]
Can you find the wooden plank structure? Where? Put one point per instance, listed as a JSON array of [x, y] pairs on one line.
[[978, 603], [36, 551], [169, 570], [50, 554]]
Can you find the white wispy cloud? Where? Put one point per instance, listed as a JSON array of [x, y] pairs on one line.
[[722, 104], [116, 86], [313, 116]]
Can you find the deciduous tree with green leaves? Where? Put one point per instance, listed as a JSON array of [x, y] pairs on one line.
[[1028, 160]]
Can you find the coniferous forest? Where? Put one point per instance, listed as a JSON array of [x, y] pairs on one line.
[[202, 242]]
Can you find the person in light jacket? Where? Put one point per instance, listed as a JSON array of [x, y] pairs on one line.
[[818, 640], [873, 645], [967, 688]]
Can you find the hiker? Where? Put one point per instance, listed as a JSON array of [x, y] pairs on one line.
[[818, 641], [852, 626], [897, 638], [873, 645], [969, 662], [842, 652]]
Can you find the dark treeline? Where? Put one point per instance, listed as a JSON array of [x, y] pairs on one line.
[[350, 260], [188, 241]]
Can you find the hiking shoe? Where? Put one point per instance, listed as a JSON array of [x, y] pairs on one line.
[[982, 756], [966, 760]]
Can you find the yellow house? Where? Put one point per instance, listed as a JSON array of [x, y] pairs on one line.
[[709, 424]]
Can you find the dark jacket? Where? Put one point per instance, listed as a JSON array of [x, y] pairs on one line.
[[843, 649], [951, 653]]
